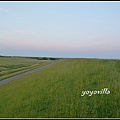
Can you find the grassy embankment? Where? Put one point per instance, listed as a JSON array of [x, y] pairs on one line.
[[16, 65], [55, 92]]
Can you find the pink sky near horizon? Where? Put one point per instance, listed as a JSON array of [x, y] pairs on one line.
[[56, 29]]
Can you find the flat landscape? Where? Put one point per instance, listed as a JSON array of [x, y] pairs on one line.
[[55, 91], [11, 66]]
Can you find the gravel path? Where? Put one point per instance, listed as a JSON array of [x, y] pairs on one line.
[[25, 73]]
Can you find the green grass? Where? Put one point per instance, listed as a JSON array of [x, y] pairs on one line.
[[16, 65], [55, 92]]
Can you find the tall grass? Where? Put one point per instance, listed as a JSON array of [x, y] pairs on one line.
[[16, 65], [55, 92]]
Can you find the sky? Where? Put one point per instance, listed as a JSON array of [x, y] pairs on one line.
[[60, 29]]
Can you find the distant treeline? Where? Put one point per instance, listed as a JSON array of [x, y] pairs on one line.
[[43, 58], [38, 58], [6, 56]]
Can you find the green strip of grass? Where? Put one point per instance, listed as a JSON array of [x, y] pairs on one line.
[[17, 71]]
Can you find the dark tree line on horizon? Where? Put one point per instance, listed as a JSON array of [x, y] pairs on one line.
[[38, 58]]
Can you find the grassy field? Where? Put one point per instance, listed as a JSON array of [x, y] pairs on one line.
[[16, 65], [55, 92]]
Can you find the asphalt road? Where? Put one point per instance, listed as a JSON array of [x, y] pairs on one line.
[[25, 73]]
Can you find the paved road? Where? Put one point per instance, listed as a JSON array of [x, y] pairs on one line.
[[25, 73]]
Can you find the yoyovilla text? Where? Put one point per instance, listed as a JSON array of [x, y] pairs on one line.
[[90, 93]]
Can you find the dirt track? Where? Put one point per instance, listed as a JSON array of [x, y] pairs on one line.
[[25, 73]]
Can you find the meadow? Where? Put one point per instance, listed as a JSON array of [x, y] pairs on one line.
[[11, 66], [55, 91]]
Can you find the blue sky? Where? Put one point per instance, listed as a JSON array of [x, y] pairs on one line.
[[60, 29]]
